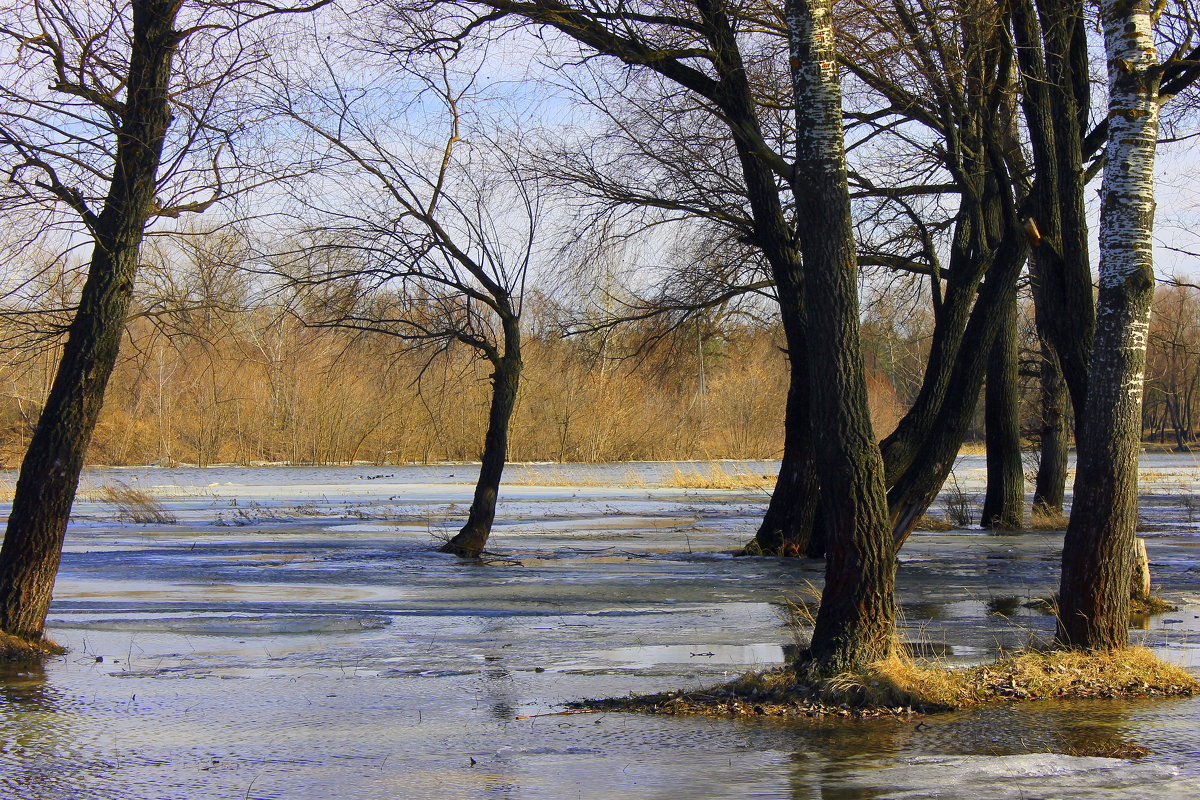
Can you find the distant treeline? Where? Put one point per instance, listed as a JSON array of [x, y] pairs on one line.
[[254, 384]]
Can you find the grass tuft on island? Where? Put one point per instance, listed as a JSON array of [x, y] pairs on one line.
[[900, 686], [16, 649]]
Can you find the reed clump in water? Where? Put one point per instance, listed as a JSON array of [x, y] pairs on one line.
[[135, 505], [902, 685]]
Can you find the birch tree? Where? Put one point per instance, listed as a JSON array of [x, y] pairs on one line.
[[1099, 547]]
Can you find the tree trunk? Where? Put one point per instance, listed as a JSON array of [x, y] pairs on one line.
[[787, 527], [1052, 48], [855, 623], [472, 539], [788, 523], [1050, 488], [1003, 505], [50, 470], [918, 486], [1099, 548]]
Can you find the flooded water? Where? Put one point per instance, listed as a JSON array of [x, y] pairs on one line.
[[294, 635]]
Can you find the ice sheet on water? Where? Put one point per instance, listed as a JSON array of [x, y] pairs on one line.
[[237, 624], [1042, 775], [510, 752]]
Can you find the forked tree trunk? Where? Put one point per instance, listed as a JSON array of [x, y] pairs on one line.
[[1099, 548], [919, 485], [506, 381], [50, 470], [1052, 48], [1004, 503], [856, 620]]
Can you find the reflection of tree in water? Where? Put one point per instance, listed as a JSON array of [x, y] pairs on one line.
[[23, 687], [34, 733], [498, 694], [826, 750], [1081, 728]]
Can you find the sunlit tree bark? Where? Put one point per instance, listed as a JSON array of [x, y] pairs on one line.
[[1099, 547]]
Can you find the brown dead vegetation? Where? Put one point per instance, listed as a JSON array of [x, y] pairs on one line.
[[16, 649], [902, 686], [135, 505]]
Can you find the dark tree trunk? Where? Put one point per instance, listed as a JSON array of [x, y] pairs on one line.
[[1052, 48], [787, 527], [1003, 505], [919, 485], [919, 454], [50, 470], [1050, 488], [1098, 552], [855, 623], [968, 265], [506, 380]]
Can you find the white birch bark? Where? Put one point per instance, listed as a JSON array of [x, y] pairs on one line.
[[1098, 552]]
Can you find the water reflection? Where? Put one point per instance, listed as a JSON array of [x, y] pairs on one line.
[[23, 687], [849, 760], [827, 749], [35, 727], [264, 664]]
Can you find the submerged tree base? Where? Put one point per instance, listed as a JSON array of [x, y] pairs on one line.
[[901, 686], [14, 648]]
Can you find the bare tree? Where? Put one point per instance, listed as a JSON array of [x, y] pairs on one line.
[[437, 245], [90, 92]]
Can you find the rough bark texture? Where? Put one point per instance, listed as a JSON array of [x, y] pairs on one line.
[[787, 527], [506, 381], [1050, 486], [1099, 548], [856, 620], [919, 485], [50, 470], [1003, 505]]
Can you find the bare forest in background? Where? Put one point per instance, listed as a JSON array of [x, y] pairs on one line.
[[207, 380]]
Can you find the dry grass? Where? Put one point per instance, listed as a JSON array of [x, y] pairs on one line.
[[928, 523], [14, 648], [1137, 605], [553, 475], [958, 502], [1044, 520], [134, 504], [1073, 674], [903, 685], [717, 477]]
